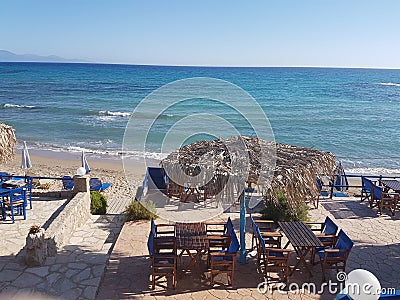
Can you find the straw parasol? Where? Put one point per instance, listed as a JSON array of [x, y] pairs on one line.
[[294, 170], [7, 142]]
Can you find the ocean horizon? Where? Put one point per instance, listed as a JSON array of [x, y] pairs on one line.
[[71, 107]]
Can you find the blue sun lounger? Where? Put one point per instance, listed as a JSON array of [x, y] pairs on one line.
[[97, 185]]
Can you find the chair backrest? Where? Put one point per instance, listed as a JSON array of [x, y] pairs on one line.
[[319, 183], [95, 184], [153, 228], [150, 243], [68, 182], [260, 238], [344, 242], [377, 192], [229, 227], [367, 183], [330, 226], [234, 246]]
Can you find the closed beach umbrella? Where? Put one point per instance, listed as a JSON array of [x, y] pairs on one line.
[[85, 163], [26, 160]]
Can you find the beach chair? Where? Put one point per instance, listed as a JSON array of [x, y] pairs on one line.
[[223, 261], [272, 259], [366, 189], [163, 256], [383, 200], [335, 258], [97, 185], [68, 182]]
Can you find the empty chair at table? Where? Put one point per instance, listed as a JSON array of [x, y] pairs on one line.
[[335, 258], [325, 232], [272, 237], [217, 235], [223, 261], [366, 188], [163, 256], [272, 259], [383, 199], [15, 203]]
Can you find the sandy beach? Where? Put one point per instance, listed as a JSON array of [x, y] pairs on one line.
[[59, 164]]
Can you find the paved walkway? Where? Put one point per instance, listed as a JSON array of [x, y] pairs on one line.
[[74, 273], [376, 249]]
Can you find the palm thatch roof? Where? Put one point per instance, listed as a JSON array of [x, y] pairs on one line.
[[7, 142], [272, 166]]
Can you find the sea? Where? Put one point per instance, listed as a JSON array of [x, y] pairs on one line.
[[71, 107]]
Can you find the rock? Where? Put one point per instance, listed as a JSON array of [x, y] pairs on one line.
[[36, 249]]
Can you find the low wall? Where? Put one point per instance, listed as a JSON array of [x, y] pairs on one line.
[[74, 215]]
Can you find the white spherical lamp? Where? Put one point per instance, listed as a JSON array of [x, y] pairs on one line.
[[362, 285], [81, 171]]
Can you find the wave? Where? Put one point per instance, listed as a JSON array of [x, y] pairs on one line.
[[8, 105], [114, 113], [373, 171], [389, 84]]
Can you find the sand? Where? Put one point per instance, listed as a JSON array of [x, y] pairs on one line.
[[59, 164]]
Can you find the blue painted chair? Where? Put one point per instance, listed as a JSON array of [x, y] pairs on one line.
[[16, 203], [163, 255], [267, 228], [68, 182], [366, 189], [97, 185], [383, 199], [223, 261], [335, 258], [326, 232], [272, 259]]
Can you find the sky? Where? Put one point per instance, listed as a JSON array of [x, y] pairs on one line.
[[319, 33]]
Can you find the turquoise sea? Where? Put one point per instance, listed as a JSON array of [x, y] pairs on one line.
[[353, 113]]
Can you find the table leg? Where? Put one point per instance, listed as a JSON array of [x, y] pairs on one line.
[[302, 253]]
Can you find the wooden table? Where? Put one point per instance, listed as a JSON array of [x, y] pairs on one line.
[[191, 237], [302, 239], [392, 184]]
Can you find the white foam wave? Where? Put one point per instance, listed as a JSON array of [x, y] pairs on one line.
[[389, 84], [373, 171], [114, 113], [8, 105]]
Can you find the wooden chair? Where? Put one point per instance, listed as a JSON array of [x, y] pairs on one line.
[[16, 203], [267, 228], [384, 199], [272, 259], [366, 189], [223, 261], [325, 232], [335, 258], [217, 236], [163, 255]]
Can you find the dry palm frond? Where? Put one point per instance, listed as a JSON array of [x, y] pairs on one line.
[[7, 142], [294, 168]]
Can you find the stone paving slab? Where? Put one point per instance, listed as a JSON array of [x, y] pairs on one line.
[[74, 273], [376, 249]]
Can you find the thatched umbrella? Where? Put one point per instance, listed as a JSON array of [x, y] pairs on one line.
[[293, 168], [273, 166], [7, 142]]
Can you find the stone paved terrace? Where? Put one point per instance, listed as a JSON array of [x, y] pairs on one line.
[[376, 249], [74, 273]]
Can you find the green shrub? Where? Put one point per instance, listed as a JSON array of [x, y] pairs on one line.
[[98, 203], [279, 210], [140, 211]]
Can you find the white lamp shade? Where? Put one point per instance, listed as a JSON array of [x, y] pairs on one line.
[[366, 281], [81, 171]]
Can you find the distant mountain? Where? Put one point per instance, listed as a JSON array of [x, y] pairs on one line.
[[7, 56]]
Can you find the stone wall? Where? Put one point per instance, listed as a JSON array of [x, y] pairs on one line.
[[74, 215]]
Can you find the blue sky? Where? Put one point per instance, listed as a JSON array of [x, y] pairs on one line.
[[344, 33]]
